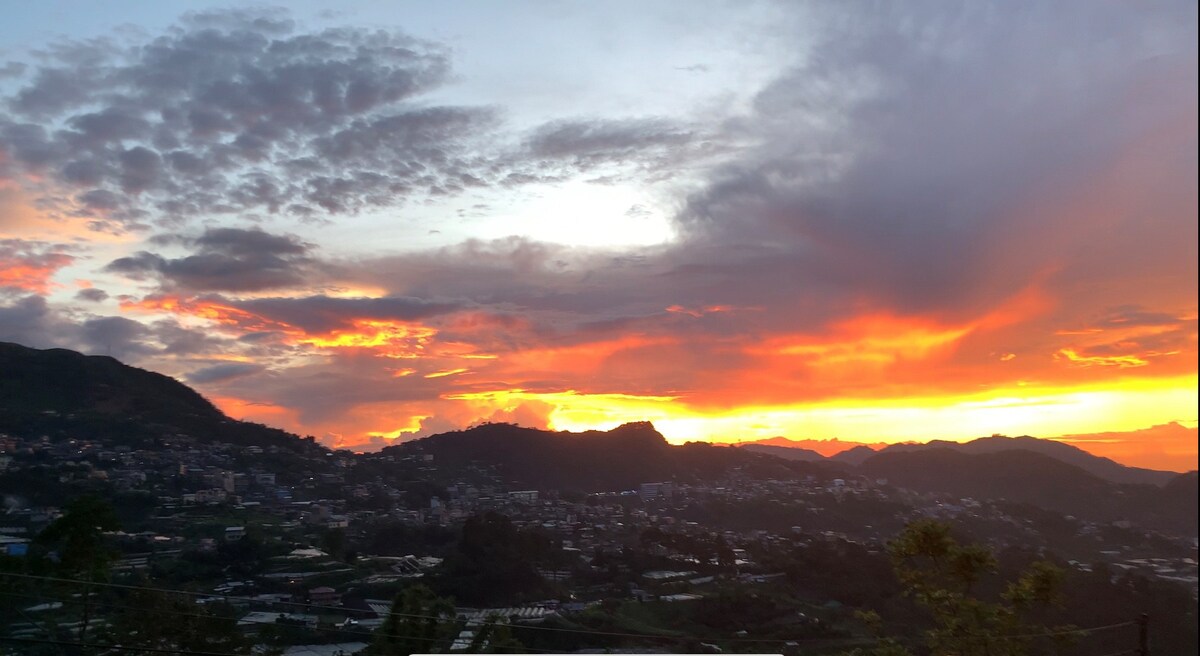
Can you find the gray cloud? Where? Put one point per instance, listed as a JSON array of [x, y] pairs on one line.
[[904, 160], [588, 143], [93, 294], [239, 113], [178, 340], [29, 321], [116, 336], [325, 313], [223, 372], [235, 112], [226, 259], [12, 69], [924, 161]]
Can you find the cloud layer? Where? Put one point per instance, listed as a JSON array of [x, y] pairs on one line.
[[236, 113], [983, 212]]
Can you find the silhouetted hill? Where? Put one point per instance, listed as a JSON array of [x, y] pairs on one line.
[[62, 393], [826, 448], [591, 461], [1014, 475], [785, 452], [855, 456], [1180, 496], [1105, 468], [1029, 477]]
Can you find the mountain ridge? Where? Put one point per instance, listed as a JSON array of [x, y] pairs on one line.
[[61, 392], [1101, 466], [618, 459]]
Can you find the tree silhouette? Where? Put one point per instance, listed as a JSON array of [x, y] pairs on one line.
[[77, 538], [943, 576], [419, 623]]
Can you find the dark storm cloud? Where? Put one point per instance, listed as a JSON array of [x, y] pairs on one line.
[[235, 112], [224, 372], [226, 259]]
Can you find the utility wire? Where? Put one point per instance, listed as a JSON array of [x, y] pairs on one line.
[[367, 634], [646, 636], [338, 609], [1063, 632], [156, 650]]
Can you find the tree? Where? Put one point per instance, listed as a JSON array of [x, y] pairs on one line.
[[494, 637], [334, 543], [78, 538], [943, 577], [160, 620], [495, 560], [418, 623]]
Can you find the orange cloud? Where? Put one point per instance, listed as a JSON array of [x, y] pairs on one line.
[[870, 339], [1103, 360], [223, 315], [29, 266], [393, 339], [257, 411]]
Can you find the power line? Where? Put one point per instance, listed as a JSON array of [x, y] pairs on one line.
[[615, 634], [1063, 632], [367, 634], [98, 645]]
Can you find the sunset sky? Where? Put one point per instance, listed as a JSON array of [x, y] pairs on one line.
[[368, 221]]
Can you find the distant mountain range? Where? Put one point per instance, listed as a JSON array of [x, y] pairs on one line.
[[1025, 476], [592, 461], [1104, 468], [61, 393], [827, 448]]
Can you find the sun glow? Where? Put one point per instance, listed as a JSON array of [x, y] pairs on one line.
[[1026, 410], [393, 339]]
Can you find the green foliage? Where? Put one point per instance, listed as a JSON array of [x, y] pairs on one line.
[[420, 622], [159, 620], [333, 542], [738, 607], [942, 576], [78, 538], [495, 561], [494, 637]]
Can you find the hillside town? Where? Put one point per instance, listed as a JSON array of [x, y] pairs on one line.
[[320, 541]]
